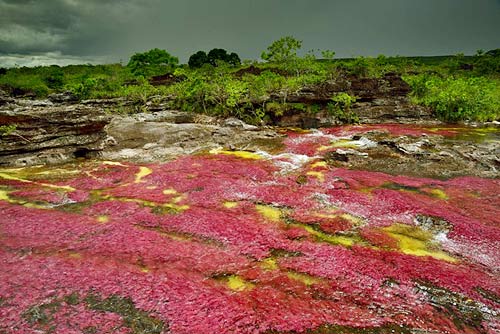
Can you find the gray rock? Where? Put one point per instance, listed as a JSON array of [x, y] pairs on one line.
[[66, 97], [50, 134]]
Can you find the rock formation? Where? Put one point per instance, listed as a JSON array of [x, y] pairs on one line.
[[39, 132]]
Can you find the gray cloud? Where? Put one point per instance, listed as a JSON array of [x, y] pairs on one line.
[[117, 28]]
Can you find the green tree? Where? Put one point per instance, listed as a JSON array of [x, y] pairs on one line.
[[283, 50], [198, 59], [152, 62], [216, 55], [328, 54], [234, 59]]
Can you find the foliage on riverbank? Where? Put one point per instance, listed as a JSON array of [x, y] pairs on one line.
[[455, 87]]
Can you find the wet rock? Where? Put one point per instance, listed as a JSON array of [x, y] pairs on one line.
[[5, 98], [463, 311], [433, 224], [44, 134], [65, 97], [236, 123], [161, 138], [471, 151]]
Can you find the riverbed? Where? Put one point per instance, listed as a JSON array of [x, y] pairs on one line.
[[354, 229]]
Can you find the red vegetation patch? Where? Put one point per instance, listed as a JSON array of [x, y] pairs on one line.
[[220, 244]]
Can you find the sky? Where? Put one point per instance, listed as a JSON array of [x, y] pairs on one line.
[[43, 32]]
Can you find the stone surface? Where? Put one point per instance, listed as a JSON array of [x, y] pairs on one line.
[[162, 136], [44, 133], [379, 100]]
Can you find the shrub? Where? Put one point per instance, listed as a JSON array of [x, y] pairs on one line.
[[458, 98], [340, 108], [152, 62], [283, 50]]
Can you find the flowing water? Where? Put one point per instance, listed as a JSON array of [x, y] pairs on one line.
[[249, 242]]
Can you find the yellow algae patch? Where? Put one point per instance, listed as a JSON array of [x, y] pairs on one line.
[[240, 154], [341, 143], [75, 255], [413, 240], [230, 205], [319, 175], [269, 212], [357, 221], [151, 187], [304, 278], [4, 196], [319, 164], [326, 215], [143, 172], [269, 264], [103, 219], [167, 206], [237, 283], [178, 199], [330, 238], [438, 193], [7, 176], [170, 191], [113, 163]]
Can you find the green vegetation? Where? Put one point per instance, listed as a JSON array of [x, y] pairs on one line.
[[340, 107], [6, 130], [214, 58], [456, 87], [152, 62]]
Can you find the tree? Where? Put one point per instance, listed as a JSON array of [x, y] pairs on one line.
[[234, 59], [283, 50], [198, 59], [217, 55], [213, 57], [152, 62], [328, 54]]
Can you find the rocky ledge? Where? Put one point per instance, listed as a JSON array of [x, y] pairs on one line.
[[40, 132]]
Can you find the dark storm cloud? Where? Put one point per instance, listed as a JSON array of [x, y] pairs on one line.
[[117, 28]]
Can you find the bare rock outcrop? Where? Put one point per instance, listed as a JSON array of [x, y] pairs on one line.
[[378, 100], [38, 132]]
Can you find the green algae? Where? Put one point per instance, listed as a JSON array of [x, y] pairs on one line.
[[434, 192], [138, 321]]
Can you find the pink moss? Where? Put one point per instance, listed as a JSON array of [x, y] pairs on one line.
[[172, 242]]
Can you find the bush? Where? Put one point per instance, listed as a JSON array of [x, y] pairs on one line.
[[152, 62], [458, 98], [54, 77], [340, 108], [283, 50]]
